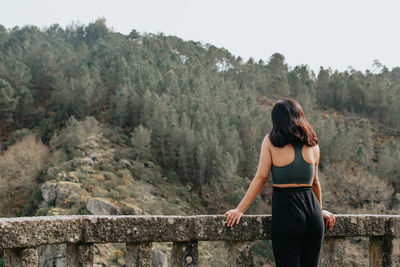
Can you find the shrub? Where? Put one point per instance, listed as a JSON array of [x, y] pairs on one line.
[[19, 167], [75, 135], [360, 192]]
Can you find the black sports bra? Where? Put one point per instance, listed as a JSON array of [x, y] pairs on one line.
[[297, 172]]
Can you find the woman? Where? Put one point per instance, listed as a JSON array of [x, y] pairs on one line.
[[291, 152]]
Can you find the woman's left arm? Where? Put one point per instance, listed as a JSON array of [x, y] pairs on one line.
[[316, 186], [258, 182]]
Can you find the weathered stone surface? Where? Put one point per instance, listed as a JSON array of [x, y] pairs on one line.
[[393, 227], [21, 257], [52, 190], [138, 254], [213, 227], [52, 255], [129, 228], [64, 189], [49, 191], [159, 259], [332, 253], [380, 251], [184, 254], [365, 225], [239, 253], [99, 206], [33, 231], [80, 255]]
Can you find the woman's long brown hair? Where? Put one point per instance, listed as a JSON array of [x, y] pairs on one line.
[[290, 124]]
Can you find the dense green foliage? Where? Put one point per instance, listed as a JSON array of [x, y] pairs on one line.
[[197, 102]]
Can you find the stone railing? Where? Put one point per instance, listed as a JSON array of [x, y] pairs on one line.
[[20, 237]]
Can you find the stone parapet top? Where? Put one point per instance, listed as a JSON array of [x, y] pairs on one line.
[[34, 231]]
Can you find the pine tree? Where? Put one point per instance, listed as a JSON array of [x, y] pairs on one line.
[[7, 103], [141, 140]]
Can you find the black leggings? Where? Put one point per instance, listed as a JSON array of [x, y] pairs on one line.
[[297, 227]]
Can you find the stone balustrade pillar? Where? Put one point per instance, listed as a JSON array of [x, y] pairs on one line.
[[380, 251], [80, 254], [332, 252], [239, 253], [184, 254], [138, 254], [21, 257]]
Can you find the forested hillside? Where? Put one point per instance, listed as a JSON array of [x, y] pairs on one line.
[[196, 111]]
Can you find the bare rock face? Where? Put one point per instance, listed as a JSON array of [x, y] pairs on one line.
[[99, 206], [159, 259], [58, 191], [49, 191]]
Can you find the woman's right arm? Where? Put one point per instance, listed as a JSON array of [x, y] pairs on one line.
[[258, 182]]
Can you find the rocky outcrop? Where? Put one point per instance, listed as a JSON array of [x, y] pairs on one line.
[[52, 190], [99, 206], [49, 191]]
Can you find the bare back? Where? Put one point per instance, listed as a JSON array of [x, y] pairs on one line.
[[283, 156]]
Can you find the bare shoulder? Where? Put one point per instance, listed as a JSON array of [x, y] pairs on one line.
[[316, 147], [316, 150], [267, 141], [266, 144]]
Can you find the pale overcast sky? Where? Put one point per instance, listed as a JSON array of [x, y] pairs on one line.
[[336, 34]]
